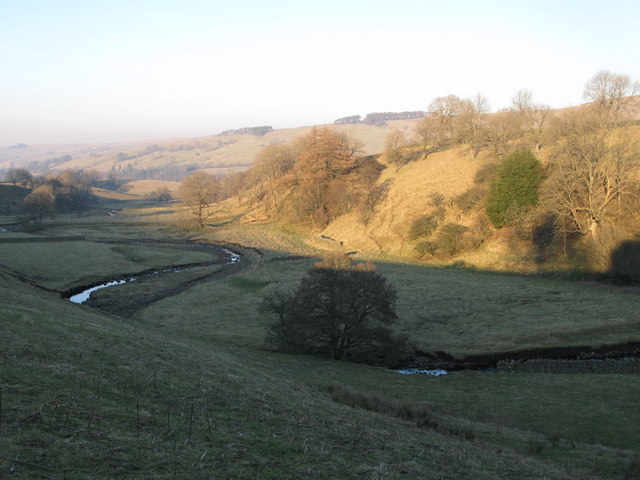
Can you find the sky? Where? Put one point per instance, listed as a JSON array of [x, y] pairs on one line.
[[108, 70]]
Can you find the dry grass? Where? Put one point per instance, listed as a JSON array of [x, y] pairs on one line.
[[144, 188]]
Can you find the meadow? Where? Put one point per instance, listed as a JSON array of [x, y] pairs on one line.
[[187, 388]]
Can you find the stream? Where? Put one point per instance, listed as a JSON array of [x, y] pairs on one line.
[[84, 295]]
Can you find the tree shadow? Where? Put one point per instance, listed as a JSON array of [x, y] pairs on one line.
[[625, 262]]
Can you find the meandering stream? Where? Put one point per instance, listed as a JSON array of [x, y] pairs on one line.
[[84, 295]]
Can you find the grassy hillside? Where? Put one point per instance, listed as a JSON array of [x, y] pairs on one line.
[[89, 395], [186, 387], [216, 154]]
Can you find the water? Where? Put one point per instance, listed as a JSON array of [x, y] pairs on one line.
[[85, 294], [438, 372]]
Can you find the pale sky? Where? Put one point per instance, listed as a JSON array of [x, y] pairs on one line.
[[111, 70]]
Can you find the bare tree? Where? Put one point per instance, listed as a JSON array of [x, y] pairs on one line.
[[541, 117], [20, 176], [198, 191], [445, 110], [427, 130], [394, 142], [499, 131], [273, 161], [611, 93], [470, 124], [591, 174]]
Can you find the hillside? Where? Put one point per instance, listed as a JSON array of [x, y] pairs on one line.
[[216, 154], [89, 394], [447, 189]]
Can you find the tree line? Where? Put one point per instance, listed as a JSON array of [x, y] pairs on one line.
[[68, 191]]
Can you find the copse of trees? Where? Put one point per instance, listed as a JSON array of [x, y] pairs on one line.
[[69, 191], [340, 310], [19, 177]]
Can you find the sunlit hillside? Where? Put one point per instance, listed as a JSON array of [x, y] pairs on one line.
[[216, 154]]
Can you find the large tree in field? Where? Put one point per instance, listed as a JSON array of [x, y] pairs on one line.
[[198, 191], [340, 310]]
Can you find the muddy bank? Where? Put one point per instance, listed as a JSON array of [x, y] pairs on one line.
[[442, 360]]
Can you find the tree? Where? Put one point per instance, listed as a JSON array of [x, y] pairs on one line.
[[394, 142], [611, 93], [39, 203], [340, 309], [470, 124], [198, 191], [321, 180], [515, 187], [20, 176], [591, 174], [272, 162], [530, 118], [161, 195]]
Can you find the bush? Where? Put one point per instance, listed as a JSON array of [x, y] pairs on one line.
[[425, 248], [450, 238], [470, 199], [516, 184], [423, 227]]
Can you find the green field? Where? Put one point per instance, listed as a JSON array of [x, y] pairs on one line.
[[67, 264], [186, 387]]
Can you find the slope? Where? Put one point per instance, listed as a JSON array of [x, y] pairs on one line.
[[90, 395]]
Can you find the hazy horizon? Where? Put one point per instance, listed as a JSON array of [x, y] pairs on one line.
[[80, 72]]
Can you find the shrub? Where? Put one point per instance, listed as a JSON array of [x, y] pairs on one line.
[[450, 238], [470, 199], [517, 182], [423, 227], [425, 247]]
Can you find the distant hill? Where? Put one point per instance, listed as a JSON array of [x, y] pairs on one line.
[[169, 159]]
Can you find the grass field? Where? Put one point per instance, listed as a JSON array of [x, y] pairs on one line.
[[187, 389], [65, 265]]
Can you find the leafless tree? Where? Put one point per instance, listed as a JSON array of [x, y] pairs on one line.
[[394, 142], [198, 191], [611, 93], [470, 125], [591, 174]]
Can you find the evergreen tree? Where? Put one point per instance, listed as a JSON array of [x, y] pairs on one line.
[[515, 188]]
